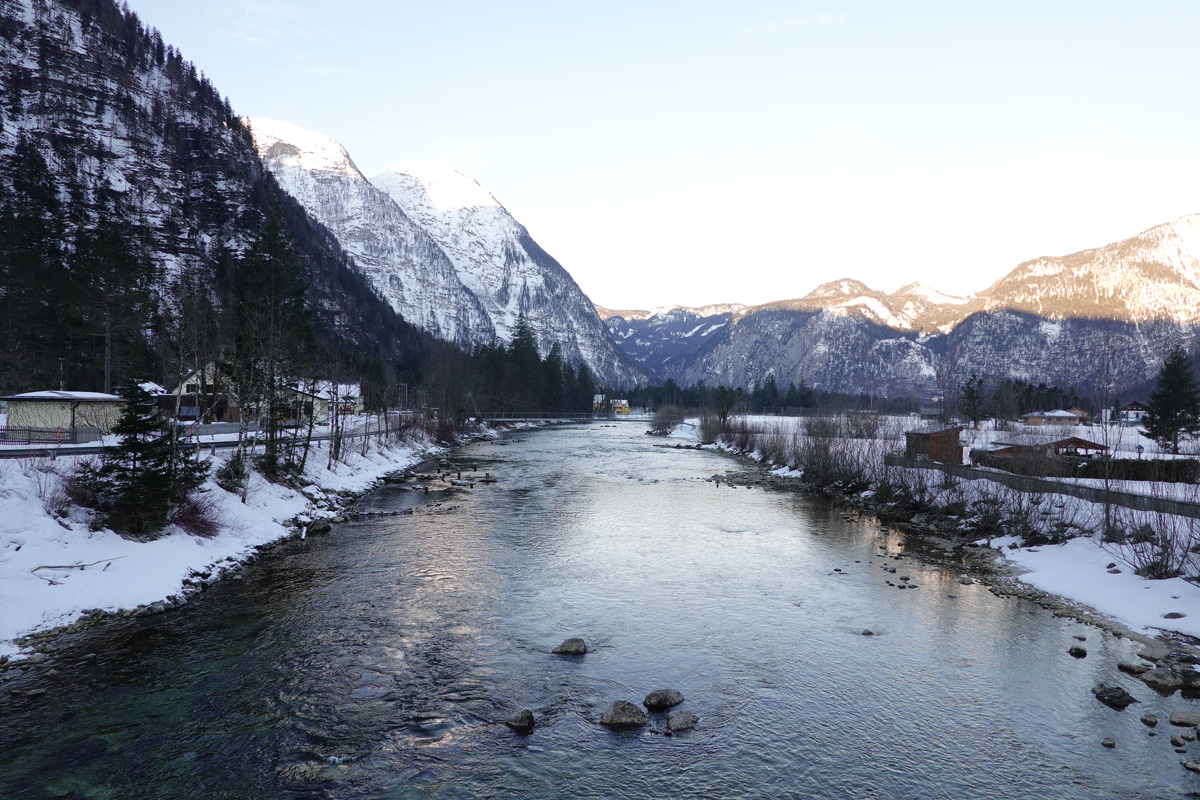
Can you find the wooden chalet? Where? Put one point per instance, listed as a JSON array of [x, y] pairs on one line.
[[934, 443]]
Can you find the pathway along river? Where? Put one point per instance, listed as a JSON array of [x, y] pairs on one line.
[[381, 660]]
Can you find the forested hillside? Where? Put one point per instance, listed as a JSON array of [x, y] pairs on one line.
[[131, 197]]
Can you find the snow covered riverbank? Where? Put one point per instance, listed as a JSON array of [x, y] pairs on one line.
[[1078, 567], [54, 569]]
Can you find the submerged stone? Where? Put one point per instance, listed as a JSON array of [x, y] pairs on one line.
[[623, 714], [521, 721], [571, 647], [661, 699], [681, 720]]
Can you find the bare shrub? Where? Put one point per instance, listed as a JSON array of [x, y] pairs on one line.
[[820, 427], [198, 514], [665, 420], [738, 434], [445, 433], [776, 446], [710, 428], [1021, 516], [861, 425], [1155, 545]]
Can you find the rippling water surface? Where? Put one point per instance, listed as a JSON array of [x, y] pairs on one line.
[[381, 660]]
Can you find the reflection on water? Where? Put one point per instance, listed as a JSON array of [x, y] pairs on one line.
[[380, 661]]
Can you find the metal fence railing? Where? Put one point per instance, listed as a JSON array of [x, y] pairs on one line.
[[24, 434]]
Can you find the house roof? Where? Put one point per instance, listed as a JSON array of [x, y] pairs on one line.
[[1135, 405], [1057, 413], [930, 429], [329, 391], [61, 397], [1034, 441]]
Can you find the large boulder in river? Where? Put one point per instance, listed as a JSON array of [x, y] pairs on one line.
[[1113, 696], [623, 714], [1185, 719], [662, 699], [521, 721], [681, 720], [571, 647], [1162, 679]]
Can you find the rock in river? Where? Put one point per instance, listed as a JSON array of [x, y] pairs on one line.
[[572, 647], [1149, 720], [1185, 719], [681, 720], [521, 721], [623, 714], [661, 699], [1161, 679], [1077, 651], [1113, 696]]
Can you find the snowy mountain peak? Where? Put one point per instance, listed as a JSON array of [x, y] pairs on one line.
[[442, 251], [918, 290], [1154, 275], [299, 148], [446, 188]]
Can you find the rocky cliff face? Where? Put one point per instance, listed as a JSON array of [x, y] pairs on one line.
[[1101, 319], [445, 254], [404, 263]]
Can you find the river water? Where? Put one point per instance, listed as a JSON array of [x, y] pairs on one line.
[[380, 661]]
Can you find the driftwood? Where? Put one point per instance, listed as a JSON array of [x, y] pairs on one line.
[[71, 566]]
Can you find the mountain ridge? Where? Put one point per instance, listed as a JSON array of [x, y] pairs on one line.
[[1133, 299], [442, 250]]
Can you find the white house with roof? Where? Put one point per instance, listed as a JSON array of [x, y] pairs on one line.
[[90, 414], [1056, 417]]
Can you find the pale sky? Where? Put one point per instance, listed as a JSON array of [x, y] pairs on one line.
[[677, 152]]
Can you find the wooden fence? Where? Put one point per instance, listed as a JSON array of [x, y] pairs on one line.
[[1025, 483]]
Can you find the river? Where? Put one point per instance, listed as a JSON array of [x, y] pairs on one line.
[[381, 660]]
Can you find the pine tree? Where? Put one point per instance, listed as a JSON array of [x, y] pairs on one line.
[[272, 328], [525, 363], [148, 472], [971, 399], [1174, 408]]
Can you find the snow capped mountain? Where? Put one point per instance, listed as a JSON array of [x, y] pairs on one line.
[[441, 249], [710, 310], [1152, 276], [496, 258], [1100, 317], [661, 338], [404, 263]]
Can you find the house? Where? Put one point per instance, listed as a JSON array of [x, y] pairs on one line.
[[1047, 446], [621, 407], [1056, 417], [934, 443], [202, 394], [1084, 415], [59, 416], [321, 399], [598, 401], [1133, 412]]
